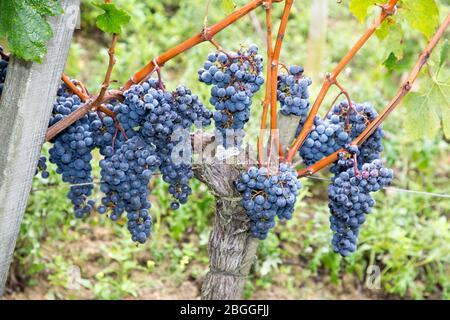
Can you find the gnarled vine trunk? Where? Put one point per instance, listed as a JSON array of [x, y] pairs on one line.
[[231, 247]]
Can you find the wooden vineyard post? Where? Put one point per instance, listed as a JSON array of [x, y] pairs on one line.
[[25, 107]]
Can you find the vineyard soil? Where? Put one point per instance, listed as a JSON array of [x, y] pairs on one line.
[[159, 285]]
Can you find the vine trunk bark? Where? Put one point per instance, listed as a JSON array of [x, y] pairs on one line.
[[231, 249]]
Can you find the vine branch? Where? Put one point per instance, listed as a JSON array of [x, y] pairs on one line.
[[193, 41], [111, 63], [387, 10], [60, 126], [83, 96], [274, 77], [105, 95], [403, 91], [268, 7]]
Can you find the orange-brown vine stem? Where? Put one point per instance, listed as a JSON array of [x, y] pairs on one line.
[[403, 91], [200, 37], [274, 77], [55, 129], [387, 9], [111, 63], [268, 6], [148, 69], [83, 96]]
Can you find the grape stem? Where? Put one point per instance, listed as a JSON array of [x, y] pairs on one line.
[[92, 104], [106, 83], [83, 96], [55, 129], [387, 10], [206, 33], [402, 91], [147, 70], [81, 86], [274, 136], [268, 6]]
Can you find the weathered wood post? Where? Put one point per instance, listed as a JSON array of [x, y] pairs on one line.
[[25, 108]]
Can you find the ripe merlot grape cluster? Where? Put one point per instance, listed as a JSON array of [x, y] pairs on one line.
[[293, 94], [358, 171], [150, 131], [235, 77], [356, 119], [42, 167], [165, 123], [267, 195], [125, 179], [342, 125], [350, 199], [72, 152]]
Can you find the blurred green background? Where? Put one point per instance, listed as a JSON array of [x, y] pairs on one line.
[[407, 236]]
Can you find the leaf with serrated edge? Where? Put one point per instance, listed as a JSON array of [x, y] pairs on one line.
[[422, 15], [25, 28], [421, 120], [394, 41], [113, 18], [359, 8], [440, 98], [47, 7]]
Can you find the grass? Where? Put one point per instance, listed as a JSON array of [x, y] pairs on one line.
[[406, 238]]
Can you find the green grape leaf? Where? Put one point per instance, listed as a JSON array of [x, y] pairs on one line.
[[394, 40], [422, 119], [429, 108], [47, 7], [113, 18], [23, 24], [228, 6], [359, 8], [392, 63], [441, 98], [421, 15], [444, 53], [383, 29]]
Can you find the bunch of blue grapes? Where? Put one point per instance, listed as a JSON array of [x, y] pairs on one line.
[[3, 70], [125, 179], [71, 152], [326, 137], [164, 120], [350, 199], [293, 94], [342, 125], [235, 78], [267, 195], [357, 118], [149, 129]]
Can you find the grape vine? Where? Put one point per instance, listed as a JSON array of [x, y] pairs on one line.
[[143, 129]]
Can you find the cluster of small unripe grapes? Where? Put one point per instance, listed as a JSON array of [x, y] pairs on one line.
[[267, 195], [235, 77]]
